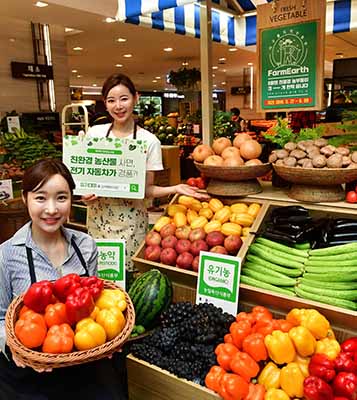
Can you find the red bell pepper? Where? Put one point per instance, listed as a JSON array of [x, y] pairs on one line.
[[244, 365], [317, 389], [349, 345], [340, 398], [243, 316], [345, 362], [39, 296], [254, 345], [233, 387], [225, 353], [345, 384], [213, 378], [66, 285], [94, 284], [79, 305], [239, 331], [321, 366]]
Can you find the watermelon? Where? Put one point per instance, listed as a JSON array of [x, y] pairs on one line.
[[151, 294]]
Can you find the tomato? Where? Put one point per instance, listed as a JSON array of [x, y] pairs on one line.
[[351, 197], [191, 181], [200, 183]]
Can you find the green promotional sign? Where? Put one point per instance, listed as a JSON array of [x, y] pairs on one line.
[[218, 282], [288, 60], [106, 167], [111, 260]]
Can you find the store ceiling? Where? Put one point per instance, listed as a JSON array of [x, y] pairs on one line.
[[101, 50]]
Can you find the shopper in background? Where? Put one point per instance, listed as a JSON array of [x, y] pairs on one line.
[[127, 219], [45, 250]]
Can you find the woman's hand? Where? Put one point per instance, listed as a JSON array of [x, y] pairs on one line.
[[20, 364], [188, 190], [89, 198]]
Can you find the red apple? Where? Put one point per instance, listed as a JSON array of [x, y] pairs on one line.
[[196, 263], [183, 245], [184, 260], [215, 238], [197, 234], [218, 249], [152, 253], [168, 256], [233, 243], [169, 242], [152, 238], [167, 230], [183, 232], [197, 246]]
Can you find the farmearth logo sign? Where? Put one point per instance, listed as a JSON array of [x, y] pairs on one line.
[[289, 66]]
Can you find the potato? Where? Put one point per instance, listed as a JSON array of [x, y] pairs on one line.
[[314, 153], [302, 160], [273, 157], [307, 163], [352, 165], [327, 150], [319, 161], [297, 154], [334, 161], [344, 151], [290, 161], [301, 145], [346, 161], [320, 142], [290, 146], [354, 156], [282, 153], [279, 162]]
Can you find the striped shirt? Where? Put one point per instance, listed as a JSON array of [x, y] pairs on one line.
[[14, 270]]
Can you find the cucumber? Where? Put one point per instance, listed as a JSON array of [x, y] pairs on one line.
[[282, 247], [282, 271], [339, 294], [279, 253], [302, 246], [341, 263], [330, 285], [333, 250], [350, 305], [264, 270], [273, 280], [253, 282], [331, 277], [293, 272], [321, 269], [337, 257], [268, 256]]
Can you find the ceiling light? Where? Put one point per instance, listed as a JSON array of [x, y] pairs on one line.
[[94, 84], [222, 59], [79, 76], [68, 30], [250, 63], [12, 40], [121, 40], [40, 4], [168, 49], [214, 67], [213, 75], [154, 81], [157, 77], [74, 71], [224, 70], [119, 65], [214, 85], [185, 63], [78, 48], [223, 83], [340, 54], [155, 91], [233, 49], [109, 20], [127, 55]]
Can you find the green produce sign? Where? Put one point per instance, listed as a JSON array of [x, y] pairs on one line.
[[288, 66], [111, 260]]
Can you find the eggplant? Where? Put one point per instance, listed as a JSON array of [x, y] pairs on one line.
[[344, 236], [289, 211], [288, 228], [338, 242], [345, 226], [293, 220], [279, 237]]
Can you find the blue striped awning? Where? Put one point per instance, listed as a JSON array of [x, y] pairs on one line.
[[183, 17]]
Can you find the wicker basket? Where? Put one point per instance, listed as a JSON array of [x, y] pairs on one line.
[[39, 360]]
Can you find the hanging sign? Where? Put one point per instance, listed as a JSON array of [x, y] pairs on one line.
[[108, 167], [32, 71], [218, 281], [111, 260], [290, 43], [6, 192]]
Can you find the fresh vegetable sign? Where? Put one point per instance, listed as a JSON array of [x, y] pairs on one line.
[[218, 281], [290, 42], [111, 260], [109, 167]]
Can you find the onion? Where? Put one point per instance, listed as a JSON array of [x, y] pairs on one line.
[[214, 160], [250, 149], [240, 138]]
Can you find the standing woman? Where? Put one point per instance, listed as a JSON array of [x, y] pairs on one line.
[[125, 218], [44, 250]]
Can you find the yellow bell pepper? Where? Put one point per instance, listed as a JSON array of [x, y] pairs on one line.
[[303, 363], [315, 322], [280, 347], [89, 334], [94, 313], [276, 394], [270, 376], [111, 298], [112, 320], [303, 340], [292, 380], [330, 347]]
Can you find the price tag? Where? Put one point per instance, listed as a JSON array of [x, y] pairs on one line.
[[218, 281], [111, 260]]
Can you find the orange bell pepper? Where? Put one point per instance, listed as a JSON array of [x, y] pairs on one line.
[[243, 316], [213, 378], [59, 339], [31, 329], [254, 345], [264, 326], [55, 314], [282, 325], [244, 365], [23, 310], [225, 353], [239, 331], [261, 313], [256, 392], [233, 387], [228, 338]]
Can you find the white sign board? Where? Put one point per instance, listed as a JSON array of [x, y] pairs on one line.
[[6, 192]]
